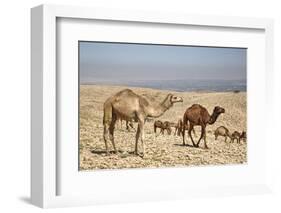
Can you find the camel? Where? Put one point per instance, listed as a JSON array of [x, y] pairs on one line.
[[197, 115], [166, 126], [235, 136], [157, 124], [243, 136], [222, 131], [176, 126], [162, 126], [180, 128], [129, 106]]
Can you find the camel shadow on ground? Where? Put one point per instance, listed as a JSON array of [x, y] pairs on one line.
[[188, 145], [102, 152], [119, 152]]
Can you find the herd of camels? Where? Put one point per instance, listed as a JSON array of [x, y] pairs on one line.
[[131, 107]]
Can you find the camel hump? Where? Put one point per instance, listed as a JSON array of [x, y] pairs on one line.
[[125, 92], [196, 106]]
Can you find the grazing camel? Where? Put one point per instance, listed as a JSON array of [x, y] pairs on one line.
[[222, 131], [243, 136], [157, 124], [166, 126], [235, 136], [129, 106], [162, 126], [197, 115], [176, 126]]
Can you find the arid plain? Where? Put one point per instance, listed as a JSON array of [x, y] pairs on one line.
[[161, 150]]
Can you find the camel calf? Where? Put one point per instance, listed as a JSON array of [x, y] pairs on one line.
[[166, 126], [243, 136], [222, 131], [162, 126], [235, 136]]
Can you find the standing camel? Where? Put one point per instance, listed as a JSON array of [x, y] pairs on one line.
[[129, 106], [198, 115]]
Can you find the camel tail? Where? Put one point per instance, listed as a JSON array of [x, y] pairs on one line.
[[107, 113]]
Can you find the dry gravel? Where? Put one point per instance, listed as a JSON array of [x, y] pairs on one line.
[[161, 150]]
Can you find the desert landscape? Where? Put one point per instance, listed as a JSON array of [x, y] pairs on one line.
[[162, 150]]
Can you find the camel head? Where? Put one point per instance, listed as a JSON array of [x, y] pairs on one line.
[[175, 99], [218, 110]]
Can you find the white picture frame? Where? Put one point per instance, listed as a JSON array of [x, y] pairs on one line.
[[44, 153]]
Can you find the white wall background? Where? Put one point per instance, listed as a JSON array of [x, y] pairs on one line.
[[15, 103]]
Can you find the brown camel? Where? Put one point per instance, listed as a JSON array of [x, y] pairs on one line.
[[180, 128], [243, 136], [175, 125], [166, 126], [222, 131], [197, 115], [235, 136], [157, 124], [129, 106]]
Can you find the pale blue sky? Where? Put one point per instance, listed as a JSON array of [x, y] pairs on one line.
[[124, 62]]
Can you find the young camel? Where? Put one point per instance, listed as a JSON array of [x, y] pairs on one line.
[[129, 106], [222, 131], [235, 136], [197, 115], [166, 126], [243, 136], [157, 124], [162, 126]]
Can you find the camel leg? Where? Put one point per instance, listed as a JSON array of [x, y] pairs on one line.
[[193, 130], [225, 138], [142, 138], [137, 140], [111, 133], [189, 134], [183, 137], [205, 142], [202, 135], [106, 137]]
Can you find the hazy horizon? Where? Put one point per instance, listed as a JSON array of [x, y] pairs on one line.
[[102, 62]]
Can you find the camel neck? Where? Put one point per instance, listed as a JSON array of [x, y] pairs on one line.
[[213, 118], [159, 110]]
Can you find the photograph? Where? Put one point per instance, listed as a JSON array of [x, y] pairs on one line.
[[145, 105]]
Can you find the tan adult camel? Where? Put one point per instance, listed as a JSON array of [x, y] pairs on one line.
[[198, 115], [129, 106]]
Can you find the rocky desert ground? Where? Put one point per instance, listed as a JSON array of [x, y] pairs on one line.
[[161, 150]]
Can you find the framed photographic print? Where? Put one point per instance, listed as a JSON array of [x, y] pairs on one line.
[[149, 106]]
